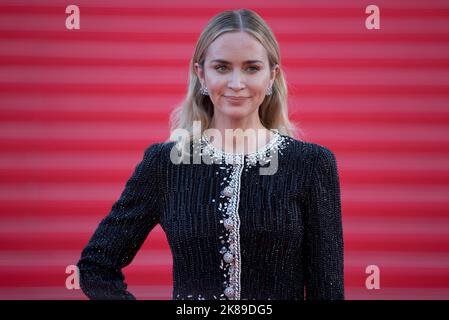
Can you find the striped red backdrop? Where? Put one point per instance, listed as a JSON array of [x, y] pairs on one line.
[[78, 108]]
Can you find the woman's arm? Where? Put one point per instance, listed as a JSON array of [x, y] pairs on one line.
[[323, 241], [122, 232]]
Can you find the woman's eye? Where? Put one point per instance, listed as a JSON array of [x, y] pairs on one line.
[[251, 69], [220, 68]]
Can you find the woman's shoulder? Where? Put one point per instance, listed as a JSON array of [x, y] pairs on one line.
[[307, 149], [300, 150], [320, 161], [159, 150]]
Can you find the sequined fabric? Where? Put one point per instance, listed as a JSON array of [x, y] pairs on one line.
[[234, 233]]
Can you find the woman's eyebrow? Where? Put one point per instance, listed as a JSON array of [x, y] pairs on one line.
[[227, 62]]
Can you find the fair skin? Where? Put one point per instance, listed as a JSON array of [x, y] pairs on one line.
[[243, 71]]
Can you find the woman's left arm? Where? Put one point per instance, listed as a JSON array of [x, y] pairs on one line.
[[323, 241]]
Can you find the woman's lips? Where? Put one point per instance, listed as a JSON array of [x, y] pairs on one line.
[[236, 100]]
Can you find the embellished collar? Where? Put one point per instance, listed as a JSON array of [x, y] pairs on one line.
[[262, 156]]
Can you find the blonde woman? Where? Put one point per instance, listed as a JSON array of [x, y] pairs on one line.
[[249, 211]]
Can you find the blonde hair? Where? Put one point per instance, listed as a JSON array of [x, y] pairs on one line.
[[273, 112]]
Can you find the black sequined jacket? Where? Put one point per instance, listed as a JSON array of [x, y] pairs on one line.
[[234, 233]]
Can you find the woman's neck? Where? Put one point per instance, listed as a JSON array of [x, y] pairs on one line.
[[239, 140]]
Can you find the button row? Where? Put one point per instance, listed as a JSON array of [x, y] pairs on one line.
[[228, 191]]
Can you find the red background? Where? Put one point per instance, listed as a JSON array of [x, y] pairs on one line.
[[79, 107]]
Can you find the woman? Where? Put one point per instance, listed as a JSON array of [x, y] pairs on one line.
[[235, 232]]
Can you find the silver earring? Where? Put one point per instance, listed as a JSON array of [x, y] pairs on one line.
[[204, 91], [269, 91]]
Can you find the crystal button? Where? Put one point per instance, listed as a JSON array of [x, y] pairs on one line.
[[228, 191], [228, 257], [228, 223], [229, 292]]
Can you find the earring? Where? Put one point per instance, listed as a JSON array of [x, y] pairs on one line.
[[204, 91], [269, 91]]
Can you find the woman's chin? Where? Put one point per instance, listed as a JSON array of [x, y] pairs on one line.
[[236, 114]]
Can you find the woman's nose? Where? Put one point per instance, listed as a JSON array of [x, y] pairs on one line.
[[236, 81]]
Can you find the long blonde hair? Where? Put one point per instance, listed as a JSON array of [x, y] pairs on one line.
[[273, 112]]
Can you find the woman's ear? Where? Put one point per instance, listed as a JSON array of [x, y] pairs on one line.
[[274, 72], [199, 72]]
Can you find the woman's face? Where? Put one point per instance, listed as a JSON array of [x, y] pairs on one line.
[[236, 65]]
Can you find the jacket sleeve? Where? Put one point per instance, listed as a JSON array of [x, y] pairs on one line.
[[122, 232], [323, 231]]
